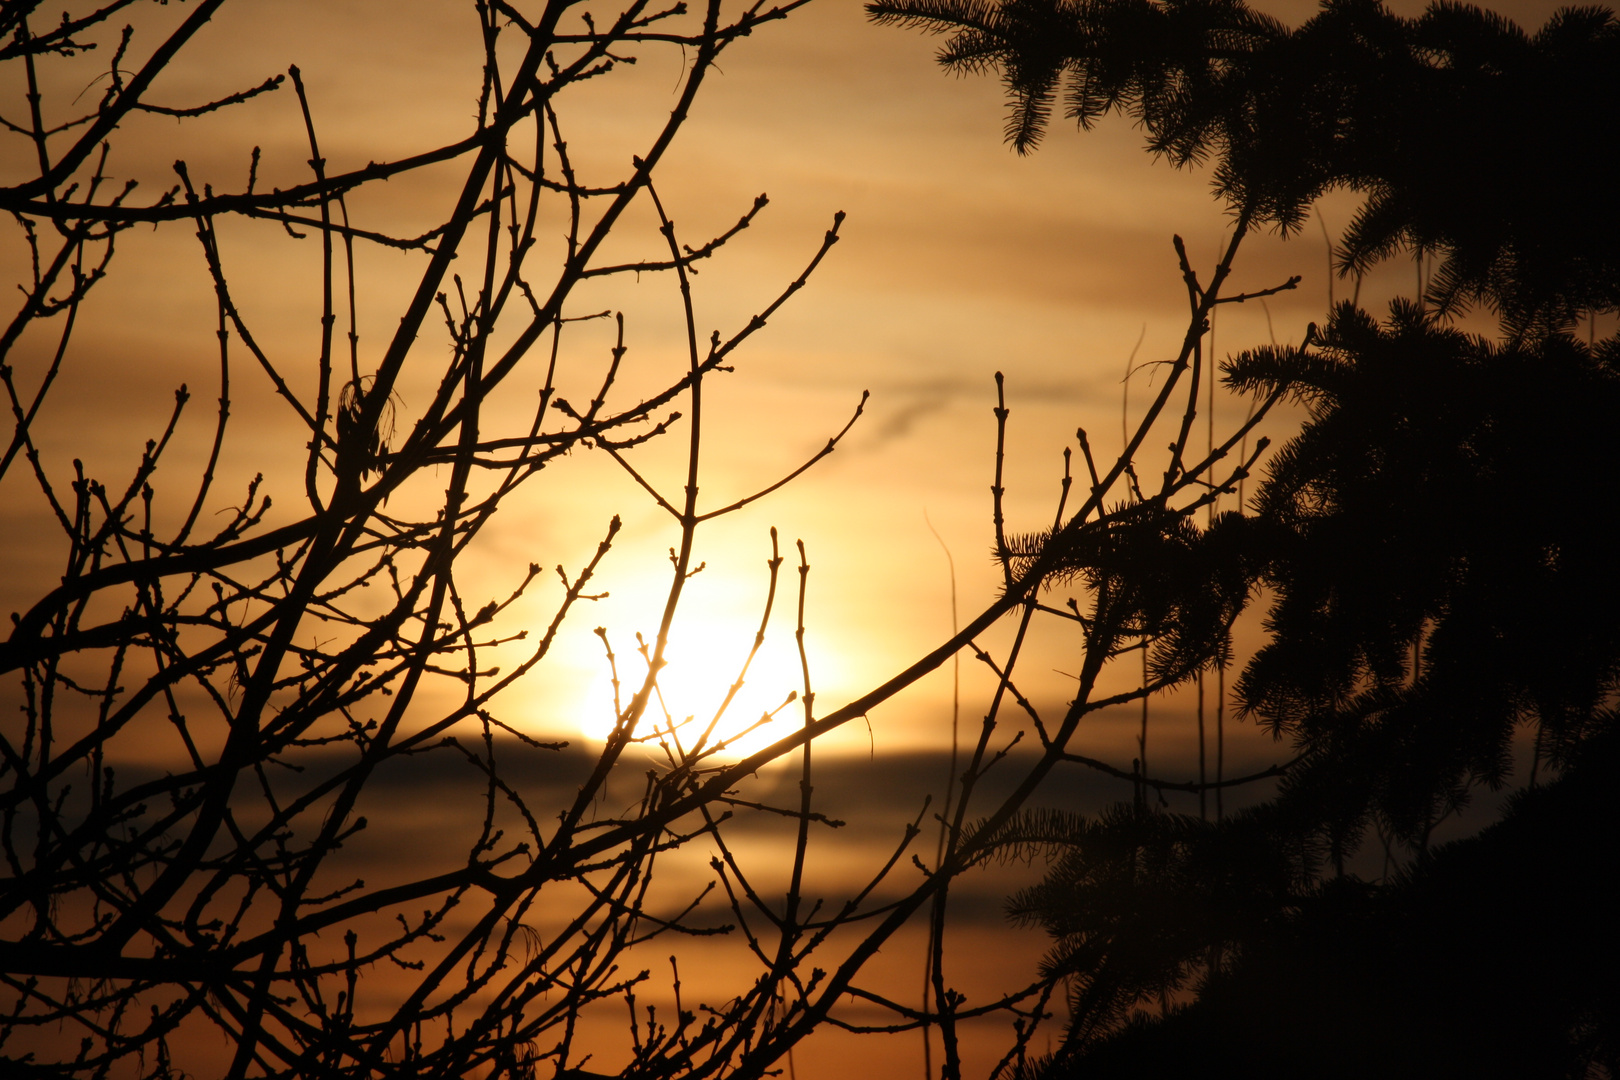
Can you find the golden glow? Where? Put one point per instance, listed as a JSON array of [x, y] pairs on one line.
[[688, 707]]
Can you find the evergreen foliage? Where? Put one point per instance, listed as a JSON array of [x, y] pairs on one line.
[[1137, 901], [1163, 579], [1494, 958], [1433, 544], [1439, 575], [1469, 137]]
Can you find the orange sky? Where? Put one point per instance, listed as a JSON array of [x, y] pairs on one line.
[[958, 259]]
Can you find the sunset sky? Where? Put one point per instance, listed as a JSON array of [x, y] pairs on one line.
[[958, 259]]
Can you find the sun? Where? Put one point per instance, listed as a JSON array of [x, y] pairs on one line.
[[691, 707]]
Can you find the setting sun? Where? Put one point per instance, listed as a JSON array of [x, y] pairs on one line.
[[691, 691]]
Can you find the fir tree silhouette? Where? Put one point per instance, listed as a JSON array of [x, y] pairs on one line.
[[1434, 545], [1470, 138]]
